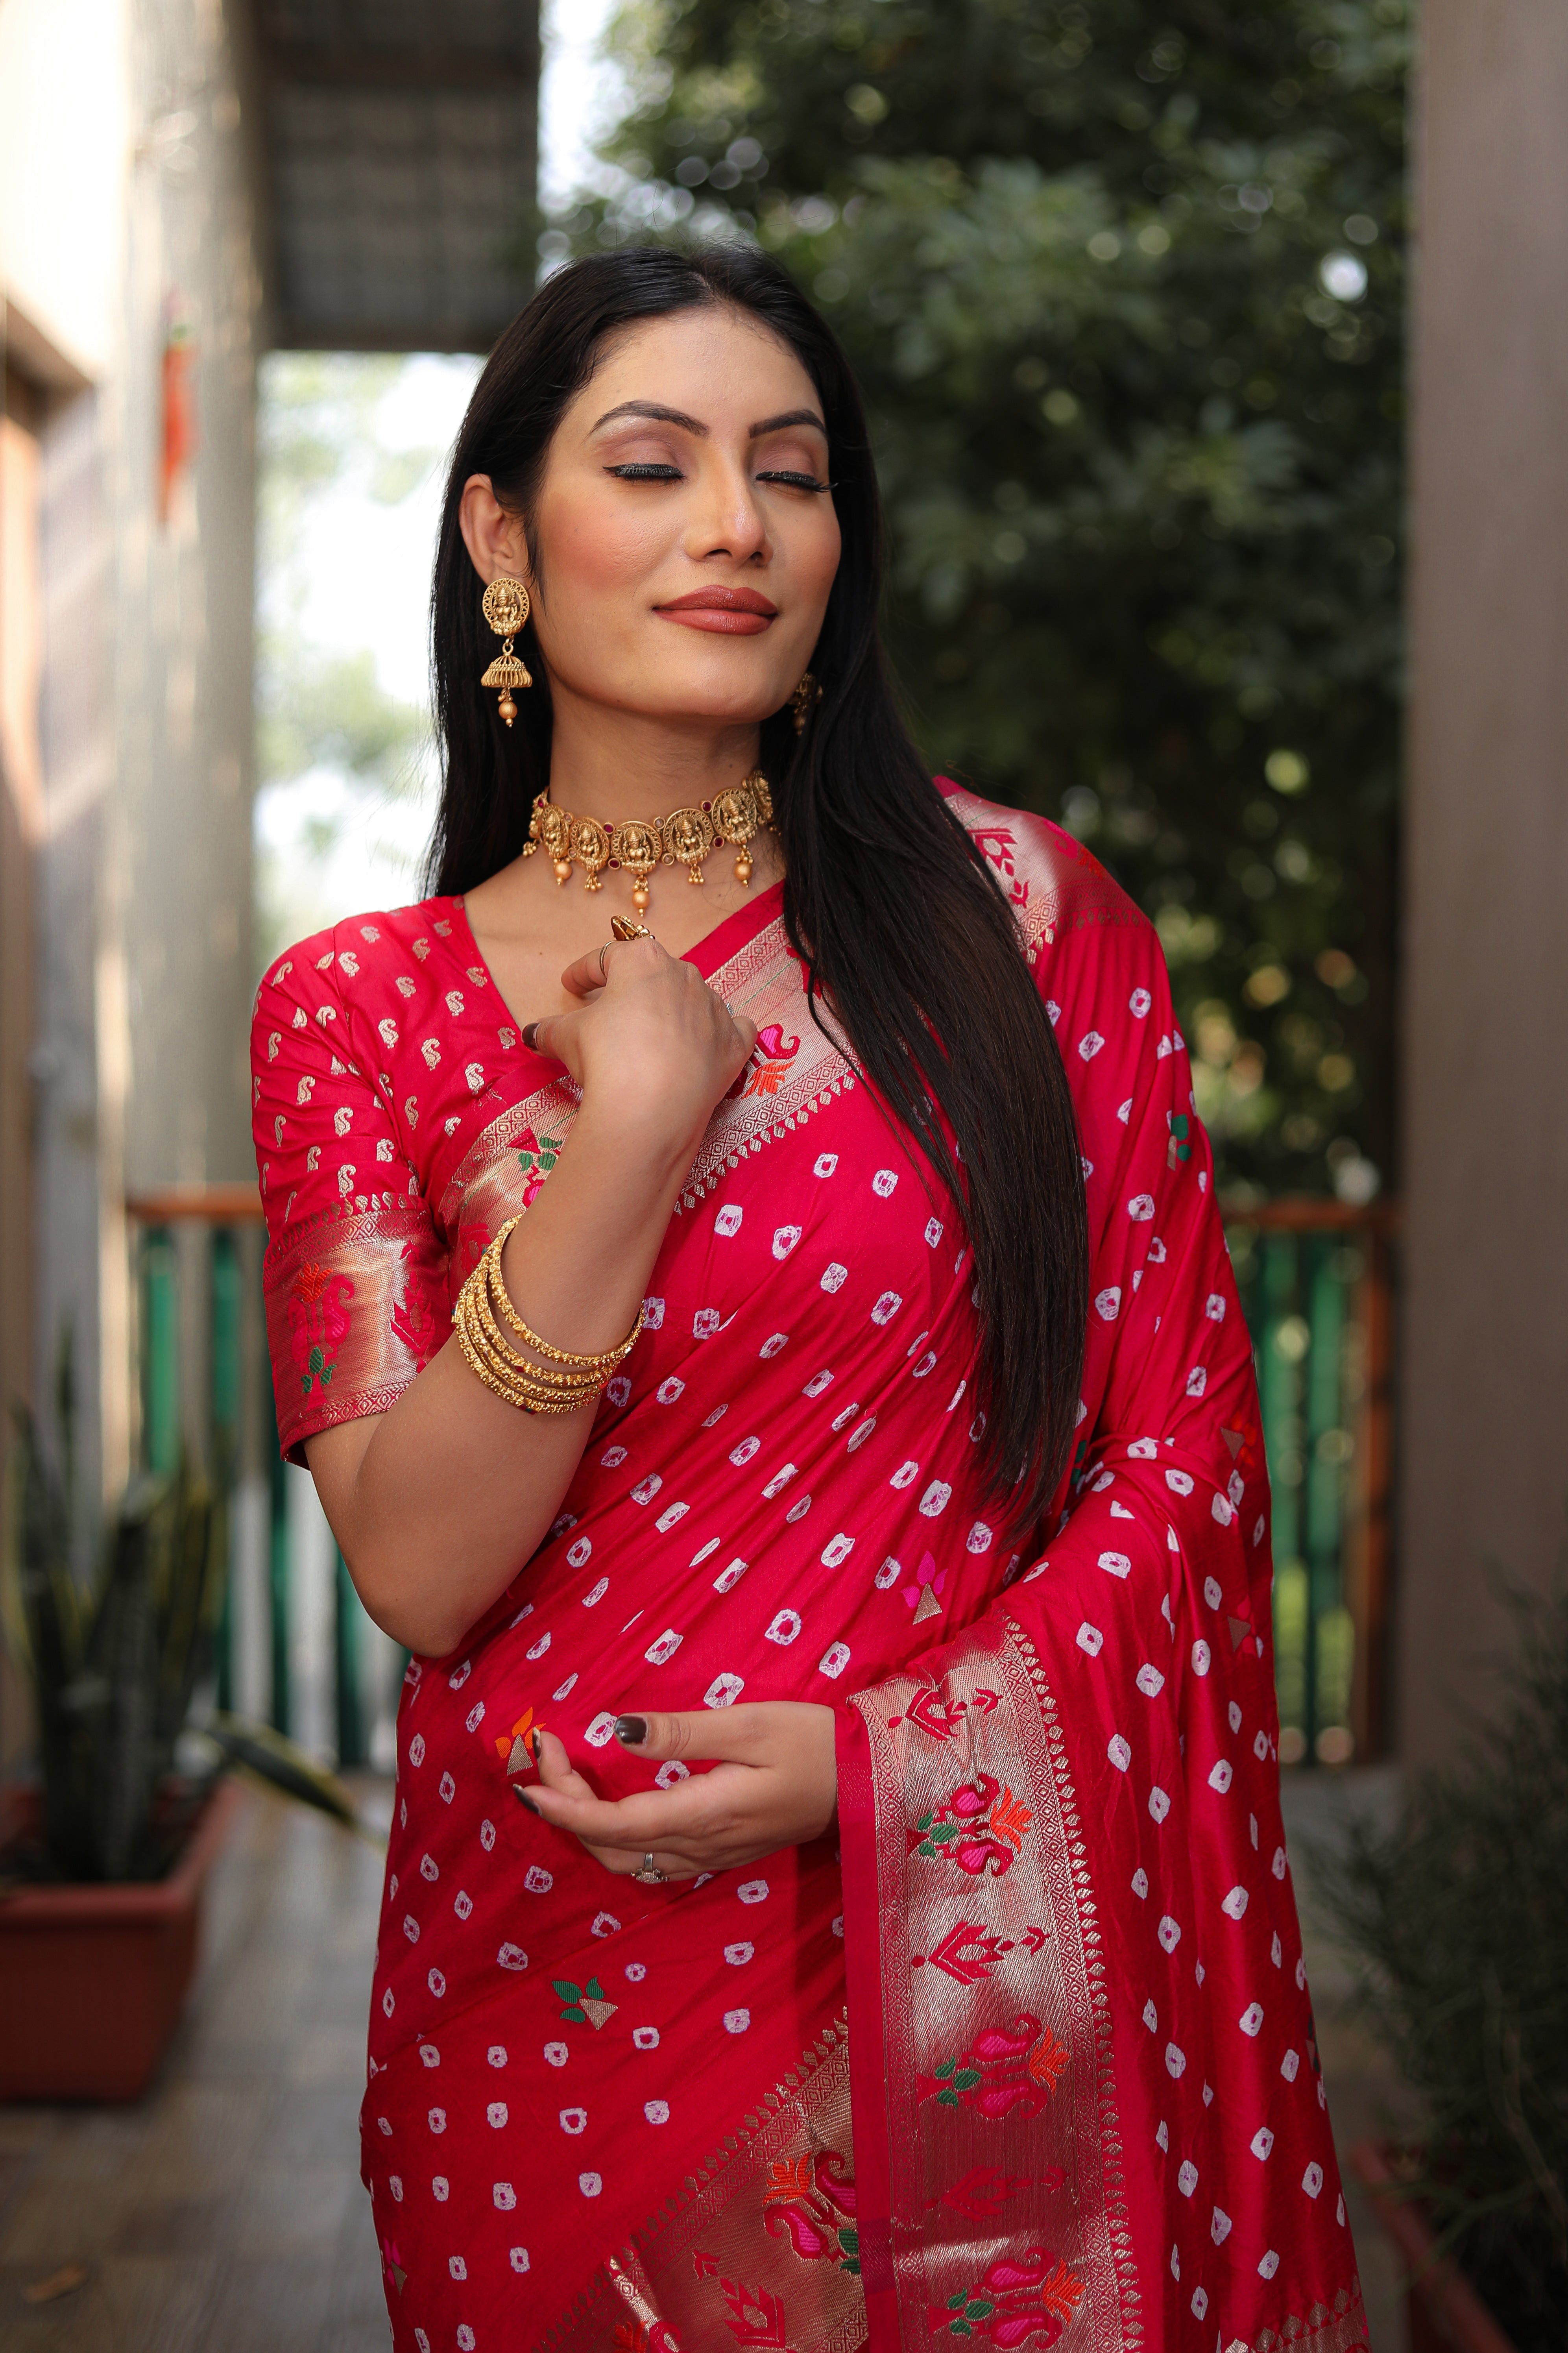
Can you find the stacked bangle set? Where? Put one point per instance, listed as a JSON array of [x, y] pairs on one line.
[[560, 1384]]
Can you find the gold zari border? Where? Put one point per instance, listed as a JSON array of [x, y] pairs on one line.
[[708, 2256]]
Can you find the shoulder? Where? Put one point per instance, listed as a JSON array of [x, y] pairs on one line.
[[347, 951], [383, 951], [1055, 885]]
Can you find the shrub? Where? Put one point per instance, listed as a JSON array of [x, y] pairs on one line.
[[1458, 1919]]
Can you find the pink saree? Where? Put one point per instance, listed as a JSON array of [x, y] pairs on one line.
[[1028, 2059]]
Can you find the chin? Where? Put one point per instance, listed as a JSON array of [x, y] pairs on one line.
[[729, 701]]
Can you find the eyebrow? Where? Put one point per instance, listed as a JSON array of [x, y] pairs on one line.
[[663, 416]]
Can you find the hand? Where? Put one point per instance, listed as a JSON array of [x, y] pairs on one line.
[[652, 1038], [776, 1785]]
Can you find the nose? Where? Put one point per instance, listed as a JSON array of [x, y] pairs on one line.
[[727, 520]]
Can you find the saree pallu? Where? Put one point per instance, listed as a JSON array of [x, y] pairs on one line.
[[1023, 2055]]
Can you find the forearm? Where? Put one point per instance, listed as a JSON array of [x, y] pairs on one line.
[[439, 1503]]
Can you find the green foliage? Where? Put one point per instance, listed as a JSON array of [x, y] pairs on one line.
[[324, 716], [1124, 288], [1459, 1919], [319, 711], [113, 1673], [317, 421], [282, 1766]]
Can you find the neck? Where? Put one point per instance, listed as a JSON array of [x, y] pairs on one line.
[[619, 765]]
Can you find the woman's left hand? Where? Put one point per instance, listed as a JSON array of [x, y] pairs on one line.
[[775, 1784]]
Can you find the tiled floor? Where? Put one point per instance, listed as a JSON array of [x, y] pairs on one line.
[[1364, 2095], [224, 2213]]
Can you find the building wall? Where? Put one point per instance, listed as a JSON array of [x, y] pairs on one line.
[[66, 112], [22, 418], [1484, 1349], [185, 588], [127, 243]]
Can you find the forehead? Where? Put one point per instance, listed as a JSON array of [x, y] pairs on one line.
[[722, 366]]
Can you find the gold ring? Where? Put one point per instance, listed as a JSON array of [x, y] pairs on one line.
[[625, 928], [650, 1875], [604, 952]]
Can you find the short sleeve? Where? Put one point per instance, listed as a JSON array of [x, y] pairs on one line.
[[354, 1275]]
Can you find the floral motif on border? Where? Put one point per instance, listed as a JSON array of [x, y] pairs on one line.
[[754, 2247], [794, 1071], [1321, 2329], [347, 1307], [1003, 2137]]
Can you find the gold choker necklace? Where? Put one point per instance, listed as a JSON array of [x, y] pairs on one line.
[[685, 837]]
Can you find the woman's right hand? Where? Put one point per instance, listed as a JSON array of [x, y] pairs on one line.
[[651, 1045]]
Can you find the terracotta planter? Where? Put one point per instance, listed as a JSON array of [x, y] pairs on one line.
[[1447, 2316], [92, 1978]]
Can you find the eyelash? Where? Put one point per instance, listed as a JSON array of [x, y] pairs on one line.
[[654, 473]]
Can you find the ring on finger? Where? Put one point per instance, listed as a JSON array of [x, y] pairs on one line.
[[650, 1875], [604, 952]]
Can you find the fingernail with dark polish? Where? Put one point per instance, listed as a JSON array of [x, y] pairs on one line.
[[524, 1799], [631, 1731], [533, 1741]]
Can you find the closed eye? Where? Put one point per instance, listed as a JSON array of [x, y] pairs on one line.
[[795, 482], [637, 472]]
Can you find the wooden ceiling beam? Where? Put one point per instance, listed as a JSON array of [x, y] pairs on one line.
[[355, 66]]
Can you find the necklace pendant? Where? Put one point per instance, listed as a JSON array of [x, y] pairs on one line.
[[639, 896], [590, 849], [695, 874], [743, 867], [563, 870]]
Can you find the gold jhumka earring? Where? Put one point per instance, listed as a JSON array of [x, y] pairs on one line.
[[804, 701], [506, 609]]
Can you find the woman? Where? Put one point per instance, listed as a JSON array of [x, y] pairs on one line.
[[836, 1893]]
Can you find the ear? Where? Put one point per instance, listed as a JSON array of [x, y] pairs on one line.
[[493, 534]]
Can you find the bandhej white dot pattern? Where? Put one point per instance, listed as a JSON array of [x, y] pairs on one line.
[[779, 1501]]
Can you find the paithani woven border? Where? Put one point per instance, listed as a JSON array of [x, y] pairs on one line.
[[708, 2266], [1321, 2329], [805, 1072], [997, 2105], [350, 1318]]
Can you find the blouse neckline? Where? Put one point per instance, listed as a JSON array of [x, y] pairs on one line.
[[713, 949]]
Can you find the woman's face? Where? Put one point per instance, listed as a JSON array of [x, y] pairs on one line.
[[687, 539]]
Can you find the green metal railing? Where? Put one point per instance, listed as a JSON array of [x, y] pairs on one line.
[[1316, 1282], [295, 1646]]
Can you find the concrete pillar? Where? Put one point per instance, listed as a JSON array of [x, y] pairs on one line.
[[1485, 1340], [186, 555]]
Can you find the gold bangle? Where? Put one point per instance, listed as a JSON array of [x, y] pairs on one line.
[[607, 1360], [531, 1388], [509, 1378], [533, 1381], [487, 1335]]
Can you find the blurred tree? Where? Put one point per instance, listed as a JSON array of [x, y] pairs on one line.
[[1124, 280], [324, 718]]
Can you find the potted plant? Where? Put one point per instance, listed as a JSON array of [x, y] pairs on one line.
[[102, 1874], [1458, 1920]]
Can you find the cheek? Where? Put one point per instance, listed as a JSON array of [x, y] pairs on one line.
[[817, 556], [597, 551]]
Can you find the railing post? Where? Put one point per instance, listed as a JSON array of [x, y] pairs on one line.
[[1316, 1285], [160, 1337]]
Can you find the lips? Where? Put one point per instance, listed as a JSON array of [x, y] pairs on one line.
[[731, 612]]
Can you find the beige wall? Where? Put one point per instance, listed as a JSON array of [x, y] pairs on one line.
[[182, 884], [1485, 1342], [126, 200], [66, 138]]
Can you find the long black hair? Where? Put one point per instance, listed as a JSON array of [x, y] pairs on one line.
[[905, 933]]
